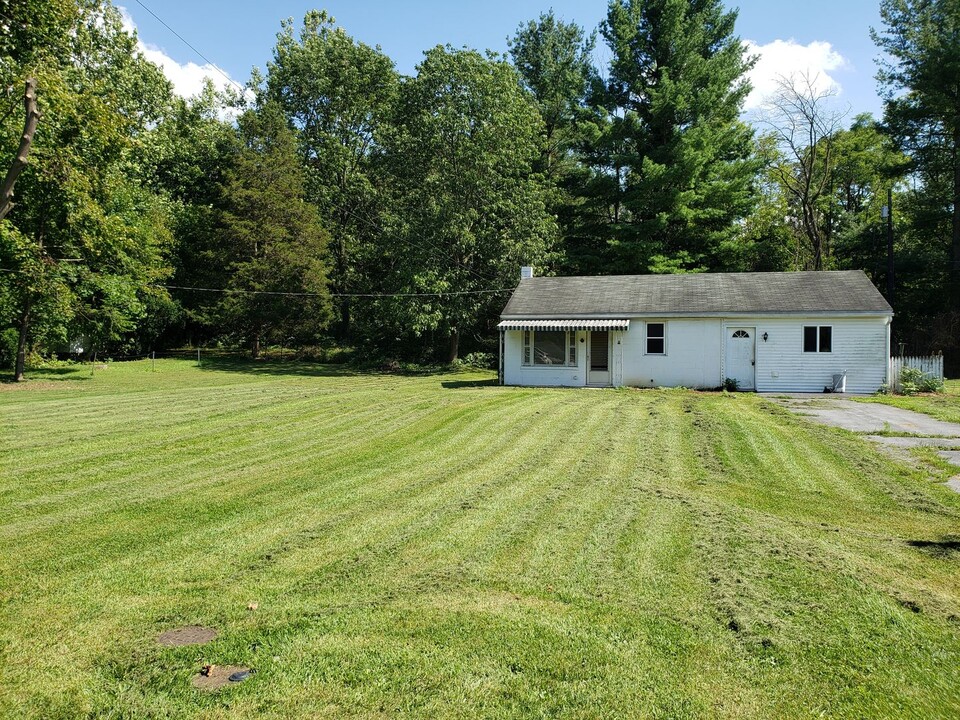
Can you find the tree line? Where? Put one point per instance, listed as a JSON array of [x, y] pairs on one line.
[[337, 203]]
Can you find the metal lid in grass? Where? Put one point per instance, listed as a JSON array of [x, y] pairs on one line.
[[214, 677]]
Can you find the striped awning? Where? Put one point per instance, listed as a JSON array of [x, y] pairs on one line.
[[623, 324]]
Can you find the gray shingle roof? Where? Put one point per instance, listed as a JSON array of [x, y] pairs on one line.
[[825, 292]]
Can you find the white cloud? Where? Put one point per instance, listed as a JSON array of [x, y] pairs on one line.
[[187, 78], [783, 58]]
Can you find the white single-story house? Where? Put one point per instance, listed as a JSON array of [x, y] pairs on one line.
[[770, 331]]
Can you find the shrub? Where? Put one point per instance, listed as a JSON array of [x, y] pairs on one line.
[[9, 339], [731, 384], [482, 360], [914, 380], [910, 379]]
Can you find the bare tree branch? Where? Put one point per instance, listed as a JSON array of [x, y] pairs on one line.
[[20, 159], [804, 129]]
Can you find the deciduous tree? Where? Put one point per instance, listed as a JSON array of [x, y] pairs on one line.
[[470, 210], [803, 126], [86, 240], [337, 92]]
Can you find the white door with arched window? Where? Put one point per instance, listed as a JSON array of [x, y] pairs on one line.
[[741, 357]]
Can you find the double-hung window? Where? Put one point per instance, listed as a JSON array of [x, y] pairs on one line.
[[817, 338], [549, 348], [656, 340]]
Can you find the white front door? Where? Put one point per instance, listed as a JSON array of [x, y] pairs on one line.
[[598, 358], [741, 360]]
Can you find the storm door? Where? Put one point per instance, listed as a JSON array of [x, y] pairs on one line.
[[598, 360]]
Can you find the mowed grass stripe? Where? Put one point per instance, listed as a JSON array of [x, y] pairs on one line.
[[244, 492], [494, 515], [240, 482], [453, 472], [826, 468], [180, 420], [596, 477], [204, 442], [105, 571], [418, 546]]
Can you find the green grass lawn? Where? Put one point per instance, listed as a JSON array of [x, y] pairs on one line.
[[943, 406], [436, 546]]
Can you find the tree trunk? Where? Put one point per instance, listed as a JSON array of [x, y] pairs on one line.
[[344, 330], [454, 348], [955, 244], [256, 346], [23, 327], [20, 159], [340, 283]]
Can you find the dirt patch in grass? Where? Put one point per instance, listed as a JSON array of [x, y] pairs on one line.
[[214, 677], [187, 635]]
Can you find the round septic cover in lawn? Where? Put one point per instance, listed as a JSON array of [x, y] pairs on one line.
[[215, 677], [187, 635]]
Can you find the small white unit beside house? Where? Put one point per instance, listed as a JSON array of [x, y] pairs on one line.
[[771, 332]]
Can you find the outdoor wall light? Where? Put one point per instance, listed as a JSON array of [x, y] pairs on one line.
[[765, 336]]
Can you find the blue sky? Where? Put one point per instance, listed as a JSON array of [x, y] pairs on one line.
[[827, 38]]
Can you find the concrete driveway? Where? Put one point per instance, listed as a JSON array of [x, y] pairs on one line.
[[866, 417], [909, 429]]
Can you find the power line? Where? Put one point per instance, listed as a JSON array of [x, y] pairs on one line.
[[184, 41], [355, 295]]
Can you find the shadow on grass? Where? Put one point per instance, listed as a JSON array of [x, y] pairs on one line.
[[942, 548], [237, 362], [242, 363], [50, 375], [457, 384], [275, 367]]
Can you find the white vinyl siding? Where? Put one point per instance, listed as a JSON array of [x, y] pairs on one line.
[[858, 346], [694, 346], [515, 372]]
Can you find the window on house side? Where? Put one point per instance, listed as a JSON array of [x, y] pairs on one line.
[[826, 338], [656, 339], [547, 348], [817, 338]]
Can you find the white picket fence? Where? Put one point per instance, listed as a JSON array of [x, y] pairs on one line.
[[929, 364]]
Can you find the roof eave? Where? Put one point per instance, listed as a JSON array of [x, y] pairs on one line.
[[651, 314]]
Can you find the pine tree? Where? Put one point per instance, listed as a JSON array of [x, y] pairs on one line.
[[921, 82], [680, 172], [274, 243]]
